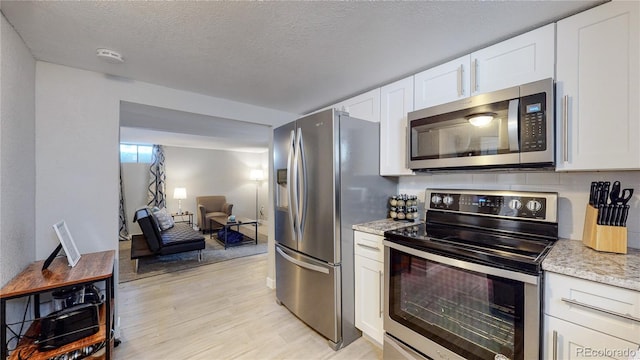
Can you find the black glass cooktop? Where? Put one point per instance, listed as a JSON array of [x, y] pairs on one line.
[[488, 246]]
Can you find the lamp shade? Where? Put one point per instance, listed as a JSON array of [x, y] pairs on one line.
[[256, 174], [180, 193]]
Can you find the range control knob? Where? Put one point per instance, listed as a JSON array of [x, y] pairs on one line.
[[447, 200], [436, 199], [515, 204], [534, 205]]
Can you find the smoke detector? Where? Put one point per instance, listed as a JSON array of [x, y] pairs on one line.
[[110, 56]]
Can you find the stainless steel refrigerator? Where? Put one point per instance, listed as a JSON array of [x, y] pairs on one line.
[[327, 179]]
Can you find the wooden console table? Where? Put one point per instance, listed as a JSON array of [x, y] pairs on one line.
[[92, 268]]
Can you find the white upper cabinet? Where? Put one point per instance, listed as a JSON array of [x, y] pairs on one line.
[[525, 58], [396, 102], [597, 89], [519, 60], [443, 83], [364, 106]]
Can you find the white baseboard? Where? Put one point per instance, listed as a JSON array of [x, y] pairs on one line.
[[271, 283]]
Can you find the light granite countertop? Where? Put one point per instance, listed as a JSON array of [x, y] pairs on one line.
[[378, 227], [573, 258]]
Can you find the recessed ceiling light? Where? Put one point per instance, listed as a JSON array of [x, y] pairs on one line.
[[110, 56]]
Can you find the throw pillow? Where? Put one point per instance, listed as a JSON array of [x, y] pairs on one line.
[[164, 219]]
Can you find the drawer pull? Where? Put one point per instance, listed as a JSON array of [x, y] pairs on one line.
[[375, 248], [381, 277], [555, 345], [614, 313]]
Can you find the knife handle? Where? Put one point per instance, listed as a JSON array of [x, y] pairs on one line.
[[592, 193], [600, 214], [625, 214], [604, 194], [607, 215]]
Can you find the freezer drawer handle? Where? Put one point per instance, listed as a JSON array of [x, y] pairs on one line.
[[302, 263], [614, 313]]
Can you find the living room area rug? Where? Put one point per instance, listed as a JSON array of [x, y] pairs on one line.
[[212, 253]]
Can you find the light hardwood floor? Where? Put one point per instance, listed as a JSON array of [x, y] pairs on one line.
[[218, 311]]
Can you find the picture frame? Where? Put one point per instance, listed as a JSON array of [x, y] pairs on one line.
[[69, 246]]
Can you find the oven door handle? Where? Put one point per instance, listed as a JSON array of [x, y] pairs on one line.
[[461, 264]]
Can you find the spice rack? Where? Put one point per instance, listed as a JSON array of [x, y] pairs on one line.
[[603, 237], [403, 207]]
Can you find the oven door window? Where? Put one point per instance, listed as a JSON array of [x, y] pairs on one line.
[[486, 130], [475, 315]]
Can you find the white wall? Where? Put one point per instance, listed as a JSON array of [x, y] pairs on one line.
[[572, 189], [202, 172], [77, 127], [215, 172], [17, 159], [135, 179]]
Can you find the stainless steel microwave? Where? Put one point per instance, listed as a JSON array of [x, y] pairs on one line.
[[511, 128]]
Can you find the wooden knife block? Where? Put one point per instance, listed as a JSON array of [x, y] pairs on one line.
[[602, 237]]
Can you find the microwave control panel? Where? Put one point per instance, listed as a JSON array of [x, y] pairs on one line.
[[533, 123]]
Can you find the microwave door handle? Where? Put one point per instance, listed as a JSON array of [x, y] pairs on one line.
[[292, 184], [512, 125]]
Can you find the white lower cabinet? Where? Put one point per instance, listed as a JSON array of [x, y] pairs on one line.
[[589, 320], [369, 277], [568, 341], [369, 302]]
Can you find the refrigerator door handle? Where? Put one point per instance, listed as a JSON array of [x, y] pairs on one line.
[[291, 183], [302, 178], [302, 264]]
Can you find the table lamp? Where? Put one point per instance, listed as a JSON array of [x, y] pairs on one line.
[[180, 194]]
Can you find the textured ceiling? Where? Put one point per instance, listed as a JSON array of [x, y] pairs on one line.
[[290, 56]]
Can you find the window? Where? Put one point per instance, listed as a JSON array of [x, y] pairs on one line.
[[130, 153]]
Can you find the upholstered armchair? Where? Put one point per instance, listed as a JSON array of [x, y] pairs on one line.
[[210, 206]]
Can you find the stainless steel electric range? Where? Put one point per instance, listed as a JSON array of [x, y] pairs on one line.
[[466, 284]]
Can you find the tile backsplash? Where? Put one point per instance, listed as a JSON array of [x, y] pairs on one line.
[[572, 189]]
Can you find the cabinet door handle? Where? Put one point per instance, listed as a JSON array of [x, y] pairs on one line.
[[380, 300], [374, 248], [474, 81], [596, 308], [460, 91], [555, 345], [565, 128]]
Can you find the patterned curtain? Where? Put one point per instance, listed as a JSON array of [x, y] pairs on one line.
[[156, 194], [124, 228]]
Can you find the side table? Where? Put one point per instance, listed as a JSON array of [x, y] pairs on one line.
[[92, 268], [182, 217]]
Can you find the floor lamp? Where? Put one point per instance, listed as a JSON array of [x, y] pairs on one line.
[[257, 175]]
